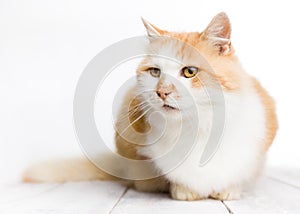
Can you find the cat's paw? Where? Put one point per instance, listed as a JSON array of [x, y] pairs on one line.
[[233, 193], [183, 193]]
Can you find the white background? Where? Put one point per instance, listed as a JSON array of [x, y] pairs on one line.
[[45, 45]]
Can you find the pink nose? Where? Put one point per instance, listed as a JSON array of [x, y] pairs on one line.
[[163, 92]]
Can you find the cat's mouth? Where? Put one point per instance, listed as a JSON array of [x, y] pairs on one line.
[[169, 107]]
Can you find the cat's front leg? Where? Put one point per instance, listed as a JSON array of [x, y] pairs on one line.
[[180, 192], [231, 193]]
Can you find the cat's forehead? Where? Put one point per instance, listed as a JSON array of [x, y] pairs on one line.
[[164, 62], [174, 53]]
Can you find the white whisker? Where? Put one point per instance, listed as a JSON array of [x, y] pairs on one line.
[[136, 120]]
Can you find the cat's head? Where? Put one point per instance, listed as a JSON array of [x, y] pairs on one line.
[[180, 66]]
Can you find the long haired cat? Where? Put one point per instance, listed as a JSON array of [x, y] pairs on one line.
[[250, 119]]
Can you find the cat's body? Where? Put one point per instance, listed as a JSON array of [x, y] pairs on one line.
[[250, 120]]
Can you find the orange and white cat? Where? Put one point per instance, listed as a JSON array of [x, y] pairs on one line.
[[250, 128]]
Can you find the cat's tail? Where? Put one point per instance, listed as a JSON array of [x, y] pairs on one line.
[[63, 170]]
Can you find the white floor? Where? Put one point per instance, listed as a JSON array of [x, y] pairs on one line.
[[278, 191]]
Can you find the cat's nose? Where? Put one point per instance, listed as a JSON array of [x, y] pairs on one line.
[[163, 92]]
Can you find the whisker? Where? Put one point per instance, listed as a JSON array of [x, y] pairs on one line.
[[132, 111], [130, 114], [133, 107], [136, 120]]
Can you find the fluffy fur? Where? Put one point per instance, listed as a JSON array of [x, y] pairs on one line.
[[250, 117]]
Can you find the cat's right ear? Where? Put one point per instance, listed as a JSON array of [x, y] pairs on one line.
[[152, 30]]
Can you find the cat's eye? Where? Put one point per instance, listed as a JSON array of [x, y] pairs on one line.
[[189, 71], [155, 72]]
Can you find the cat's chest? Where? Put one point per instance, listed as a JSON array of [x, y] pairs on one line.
[[172, 138]]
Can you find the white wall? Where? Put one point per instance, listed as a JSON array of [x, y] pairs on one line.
[[45, 45]]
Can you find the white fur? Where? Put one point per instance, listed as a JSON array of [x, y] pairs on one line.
[[237, 160]]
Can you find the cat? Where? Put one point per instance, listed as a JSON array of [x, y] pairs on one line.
[[250, 119]]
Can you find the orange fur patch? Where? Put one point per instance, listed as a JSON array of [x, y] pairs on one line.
[[270, 113]]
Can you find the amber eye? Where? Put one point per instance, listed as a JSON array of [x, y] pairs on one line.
[[189, 71], [155, 72]]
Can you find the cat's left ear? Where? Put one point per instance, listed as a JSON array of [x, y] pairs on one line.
[[152, 30], [218, 33]]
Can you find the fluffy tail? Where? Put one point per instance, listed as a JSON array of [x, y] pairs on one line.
[[80, 169]]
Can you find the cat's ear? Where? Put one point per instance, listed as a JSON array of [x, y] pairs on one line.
[[152, 30], [218, 33]]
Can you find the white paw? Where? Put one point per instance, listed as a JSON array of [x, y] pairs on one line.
[[228, 194], [182, 193]]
